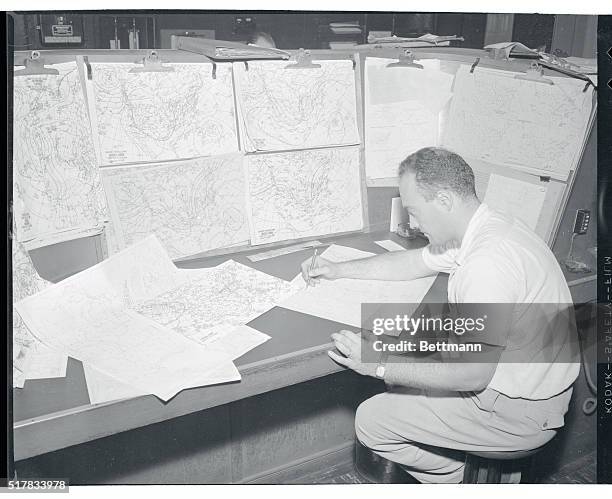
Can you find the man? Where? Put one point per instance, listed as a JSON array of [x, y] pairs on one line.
[[432, 410]]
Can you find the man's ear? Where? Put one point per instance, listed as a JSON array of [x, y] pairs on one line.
[[445, 200]]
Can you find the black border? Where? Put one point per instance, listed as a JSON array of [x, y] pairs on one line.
[[6, 26], [604, 251]]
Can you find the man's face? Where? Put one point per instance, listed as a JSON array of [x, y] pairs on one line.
[[432, 217]]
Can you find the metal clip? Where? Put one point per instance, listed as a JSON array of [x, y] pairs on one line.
[[151, 64], [87, 67], [475, 64], [303, 61], [405, 60], [35, 65]]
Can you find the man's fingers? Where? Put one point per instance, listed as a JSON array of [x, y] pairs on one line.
[[318, 271], [345, 361], [342, 345]]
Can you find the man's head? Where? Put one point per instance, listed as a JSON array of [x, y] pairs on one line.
[[437, 189]]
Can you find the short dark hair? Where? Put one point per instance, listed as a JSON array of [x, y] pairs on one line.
[[436, 168]]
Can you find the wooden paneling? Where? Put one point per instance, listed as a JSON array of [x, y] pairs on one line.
[[243, 441]]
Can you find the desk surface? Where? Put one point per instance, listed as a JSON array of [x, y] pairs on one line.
[[52, 414]]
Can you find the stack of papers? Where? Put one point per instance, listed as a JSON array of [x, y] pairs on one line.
[[139, 323], [421, 41], [142, 326], [349, 28]]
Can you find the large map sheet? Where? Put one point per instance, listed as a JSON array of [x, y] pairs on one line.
[[192, 206], [57, 187], [303, 193], [282, 109], [89, 317], [223, 298], [153, 116], [522, 124]]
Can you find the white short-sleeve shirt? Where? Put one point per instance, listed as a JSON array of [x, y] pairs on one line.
[[501, 260]]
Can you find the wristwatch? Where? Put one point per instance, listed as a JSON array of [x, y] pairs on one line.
[[381, 367]]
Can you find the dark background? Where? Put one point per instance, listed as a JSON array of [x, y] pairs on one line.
[[290, 30]]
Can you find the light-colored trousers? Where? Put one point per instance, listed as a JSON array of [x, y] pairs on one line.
[[427, 432]]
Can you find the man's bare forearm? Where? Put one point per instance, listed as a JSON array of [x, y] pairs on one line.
[[393, 266], [456, 377]]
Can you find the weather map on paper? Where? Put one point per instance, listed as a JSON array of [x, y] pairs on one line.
[[228, 295], [57, 187], [283, 108], [158, 116], [303, 193], [522, 124], [31, 359], [192, 206]]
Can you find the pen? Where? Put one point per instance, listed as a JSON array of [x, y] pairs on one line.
[[312, 264]]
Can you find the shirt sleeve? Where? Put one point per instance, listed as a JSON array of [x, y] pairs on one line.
[[440, 262]]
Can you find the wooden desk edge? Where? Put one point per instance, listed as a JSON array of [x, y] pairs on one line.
[[85, 423]]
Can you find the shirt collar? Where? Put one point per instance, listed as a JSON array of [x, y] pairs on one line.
[[479, 216]]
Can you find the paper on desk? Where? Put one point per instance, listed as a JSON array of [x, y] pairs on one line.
[[32, 359], [18, 378], [95, 328], [390, 245], [103, 388], [402, 107], [87, 317], [227, 296], [340, 300], [518, 198]]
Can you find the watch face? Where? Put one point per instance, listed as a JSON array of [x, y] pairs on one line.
[[380, 372]]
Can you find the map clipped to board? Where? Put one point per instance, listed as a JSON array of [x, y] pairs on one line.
[[192, 206], [282, 108], [527, 125], [402, 111], [300, 194], [57, 190], [159, 116]]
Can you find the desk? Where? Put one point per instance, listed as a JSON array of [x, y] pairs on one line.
[[55, 413], [282, 396]]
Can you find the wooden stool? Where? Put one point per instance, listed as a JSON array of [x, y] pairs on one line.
[[497, 467], [376, 469], [480, 467]]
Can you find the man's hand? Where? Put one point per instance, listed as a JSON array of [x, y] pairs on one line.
[[349, 345], [323, 269]]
